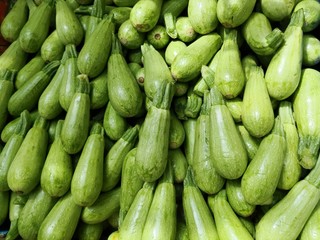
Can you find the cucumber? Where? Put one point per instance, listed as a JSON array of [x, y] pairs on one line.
[[199, 220], [229, 74], [187, 64], [37, 207], [228, 224], [264, 41], [25, 169], [5, 198], [75, 129], [203, 15], [262, 175], [257, 112], [113, 161], [7, 88], [106, 204], [154, 133], [311, 11], [31, 67], [154, 76], [179, 164], [162, 216], [130, 184], [90, 60], [205, 175], [283, 76], [28, 95], [62, 220], [311, 50], [57, 170], [291, 170], [145, 14], [14, 21], [52, 48], [68, 26], [306, 116], [11, 148], [133, 223], [124, 92], [99, 91], [36, 29]]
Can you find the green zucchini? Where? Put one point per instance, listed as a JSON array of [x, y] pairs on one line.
[[25, 169], [247, 62], [229, 74], [184, 29], [145, 14], [174, 7], [99, 91], [68, 26], [179, 164], [257, 112], [156, 71], [203, 15], [37, 207], [129, 36], [311, 11], [237, 200], [75, 129], [262, 175], [28, 95], [31, 67], [190, 139], [251, 143], [57, 170], [258, 33], [130, 184], [87, 179], [153, 144], [194, 102], [283, 76], [205, 175], [177, 133], [134, 222], [162, 216], [62, 220], [14, 21], [11, 148], [228, 224], [5, 199], [187, 64], [306, 116], [173, 49], [113, 161], [90, 60], [235, 106], [311, 50], [124, 92], [52, 48], [106, 204], [7, 89], [85, 231], [158, 37], [120, 15], [277, 10], [125, 3], [311, 230], [199, 220], [182, 231], [291, 170], [36, 29]]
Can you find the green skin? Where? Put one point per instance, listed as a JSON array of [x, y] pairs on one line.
[[158, 37], [61, 221], [311, 229], [14, 21], [189, 143], [179, 164], [125, 3], [106, 204], [7, 89], [235, 106], [5, 198], [251, 143], [129, 36], [99, 91], [185, 31], [86, 231], [311, 50], [177, 133], [173, 49], [277, 10], [52, 48], [311, 14], [34, 212]]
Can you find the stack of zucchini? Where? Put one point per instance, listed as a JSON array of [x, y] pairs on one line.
[[160, 119]]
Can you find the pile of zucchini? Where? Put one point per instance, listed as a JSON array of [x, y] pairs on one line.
[[160, 119]]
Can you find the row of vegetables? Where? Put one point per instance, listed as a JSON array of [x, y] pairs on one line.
[[160, 119]]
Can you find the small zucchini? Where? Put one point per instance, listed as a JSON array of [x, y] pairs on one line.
[[52, 48]]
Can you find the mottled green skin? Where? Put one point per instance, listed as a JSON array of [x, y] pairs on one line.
[[277, 10], [52, 48], [129, 36], [311, 50]]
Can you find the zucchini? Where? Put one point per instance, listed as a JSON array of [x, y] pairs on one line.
[[106, 205], [311, 50], [311, 229], [124, 92], [235, 106], [11, 148], [113, 161], [52, 48], [172, 50], [37, 207], [228, 224], [283, 76], [311, 11], [87, 179], [262, 175], [251, 143], [199, 220], [99, 91], [205, 175], [62, 220], [307, 115], [277, 10], [184, 29], [158, 37], [25, 169], [57, 170], [28, 95], [120, 15], [179, 164], [154, 133], [14, 21], [36, 29], [75, 129], [129, 36], [85, 231], [190, 139], [68, 26], [177, 133], [125, 3], [5, 199]]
